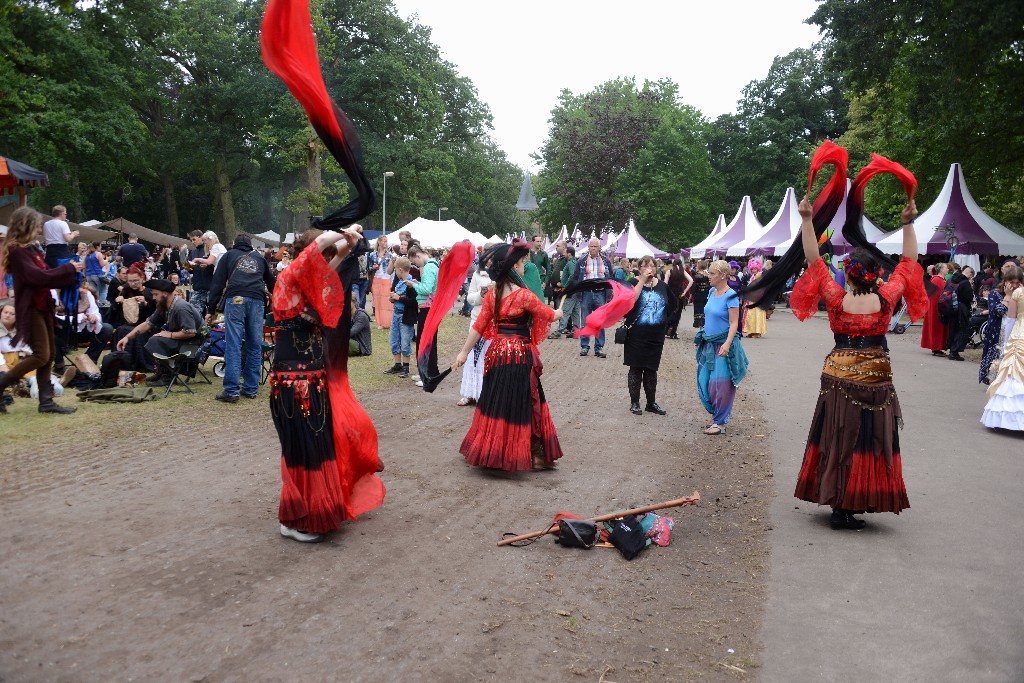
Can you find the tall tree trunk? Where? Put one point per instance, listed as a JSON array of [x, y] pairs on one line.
[[224, 200], [288, 184], [171, 204], [312, 181]]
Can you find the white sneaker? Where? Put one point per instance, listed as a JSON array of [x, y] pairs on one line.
[[419, 383], [415, 378], [300, 536]]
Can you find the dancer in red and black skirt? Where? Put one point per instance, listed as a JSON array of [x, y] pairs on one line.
[[324, 480], [512, 428], [852, 459]]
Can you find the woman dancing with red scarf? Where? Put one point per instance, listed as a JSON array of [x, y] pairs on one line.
[[852, 459], [512, 428], [328, 442]]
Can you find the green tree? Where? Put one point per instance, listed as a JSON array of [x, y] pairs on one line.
[[764, 147], [941, 84]]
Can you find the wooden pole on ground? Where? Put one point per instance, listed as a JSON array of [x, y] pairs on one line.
[[553, 529]]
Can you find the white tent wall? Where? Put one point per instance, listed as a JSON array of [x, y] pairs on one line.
[[433, 234]]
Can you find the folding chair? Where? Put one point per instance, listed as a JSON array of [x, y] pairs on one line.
[[267, 348], [184, 365]]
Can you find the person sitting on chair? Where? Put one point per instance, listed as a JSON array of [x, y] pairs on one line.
[[182, 320]]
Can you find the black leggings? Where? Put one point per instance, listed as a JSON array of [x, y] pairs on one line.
[[645, 376]]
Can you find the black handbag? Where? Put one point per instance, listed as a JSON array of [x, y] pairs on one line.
[[576, 533], [628, 536], [621, 334]]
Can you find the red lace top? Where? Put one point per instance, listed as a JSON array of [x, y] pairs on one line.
[[816, 283], [309, 283], [513, 306]]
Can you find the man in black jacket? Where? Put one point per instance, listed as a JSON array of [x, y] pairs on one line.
[[242, 276]]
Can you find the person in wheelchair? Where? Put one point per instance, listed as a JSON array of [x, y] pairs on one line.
[[182, 320]]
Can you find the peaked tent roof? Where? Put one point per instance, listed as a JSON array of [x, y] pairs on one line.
[[126, 226], [608, 239], [699, 250], [744, 226], [631, 244], [269, 237], [494, 238], [777, 234], [576, 236], [527, 202], [563, 235], [978, 232], [839, 244]]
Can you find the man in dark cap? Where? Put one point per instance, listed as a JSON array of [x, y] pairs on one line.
[[181, 319], [240, 283]]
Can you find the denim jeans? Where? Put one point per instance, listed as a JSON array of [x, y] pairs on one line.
[[359, 288], [401, 337], [590, 302], [570, 314], [101, 288], [243, 345]]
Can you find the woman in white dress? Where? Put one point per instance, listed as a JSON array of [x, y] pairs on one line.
[[1005, 407], [473, 370]]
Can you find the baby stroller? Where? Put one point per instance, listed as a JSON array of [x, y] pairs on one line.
[[213, 347]]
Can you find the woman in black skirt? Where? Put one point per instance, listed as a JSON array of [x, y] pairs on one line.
[[652, 309], [701, 287]]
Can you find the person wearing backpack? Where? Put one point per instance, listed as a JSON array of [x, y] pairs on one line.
[[239, 282], [955, 305], [935, 332]]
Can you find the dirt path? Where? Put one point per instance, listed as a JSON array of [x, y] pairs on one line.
[[161, 561]]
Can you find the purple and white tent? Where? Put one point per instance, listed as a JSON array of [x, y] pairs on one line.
[[631, 244], [700, 249], [979, 233], [839, 244], [744, 226], [608, 239], [563, 235], [576, 236], [777, 234]]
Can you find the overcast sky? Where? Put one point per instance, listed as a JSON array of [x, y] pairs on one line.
[[521, 54]]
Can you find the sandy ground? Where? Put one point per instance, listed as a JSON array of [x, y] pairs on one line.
[[932, 594], [158, 557]]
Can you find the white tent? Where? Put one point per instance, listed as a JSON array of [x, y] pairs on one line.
[[433, 234], [631, 244], [777, 234], [955, 208], [744, 226], [494, 238], [700, 250], [269, 237], [477, 239]]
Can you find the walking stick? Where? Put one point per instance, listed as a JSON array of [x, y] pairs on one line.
[[553, 529]]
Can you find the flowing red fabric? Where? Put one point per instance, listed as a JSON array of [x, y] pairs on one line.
[[764, 291], [450, 277], [853, 231], [289, 50], [611, 313]]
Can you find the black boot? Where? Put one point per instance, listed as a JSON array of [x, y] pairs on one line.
[[653, 407], [3, 398], [634, 408], [46, 402]]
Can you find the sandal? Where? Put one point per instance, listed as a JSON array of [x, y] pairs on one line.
[[542, 464], [465, 402], [715, 430]]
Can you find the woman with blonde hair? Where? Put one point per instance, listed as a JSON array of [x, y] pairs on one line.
[[721, 361], [21, 256]]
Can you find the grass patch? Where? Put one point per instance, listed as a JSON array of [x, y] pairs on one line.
[[24, 429]]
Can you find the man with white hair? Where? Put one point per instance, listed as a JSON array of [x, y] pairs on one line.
[[593, 266]]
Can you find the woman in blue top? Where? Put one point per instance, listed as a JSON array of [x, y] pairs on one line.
[[653, 305], [721, 362], [96, 272]]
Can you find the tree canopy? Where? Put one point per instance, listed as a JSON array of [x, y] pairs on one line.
[[166, 113]]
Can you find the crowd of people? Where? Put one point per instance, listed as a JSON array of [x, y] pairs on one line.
[[516, 296]]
